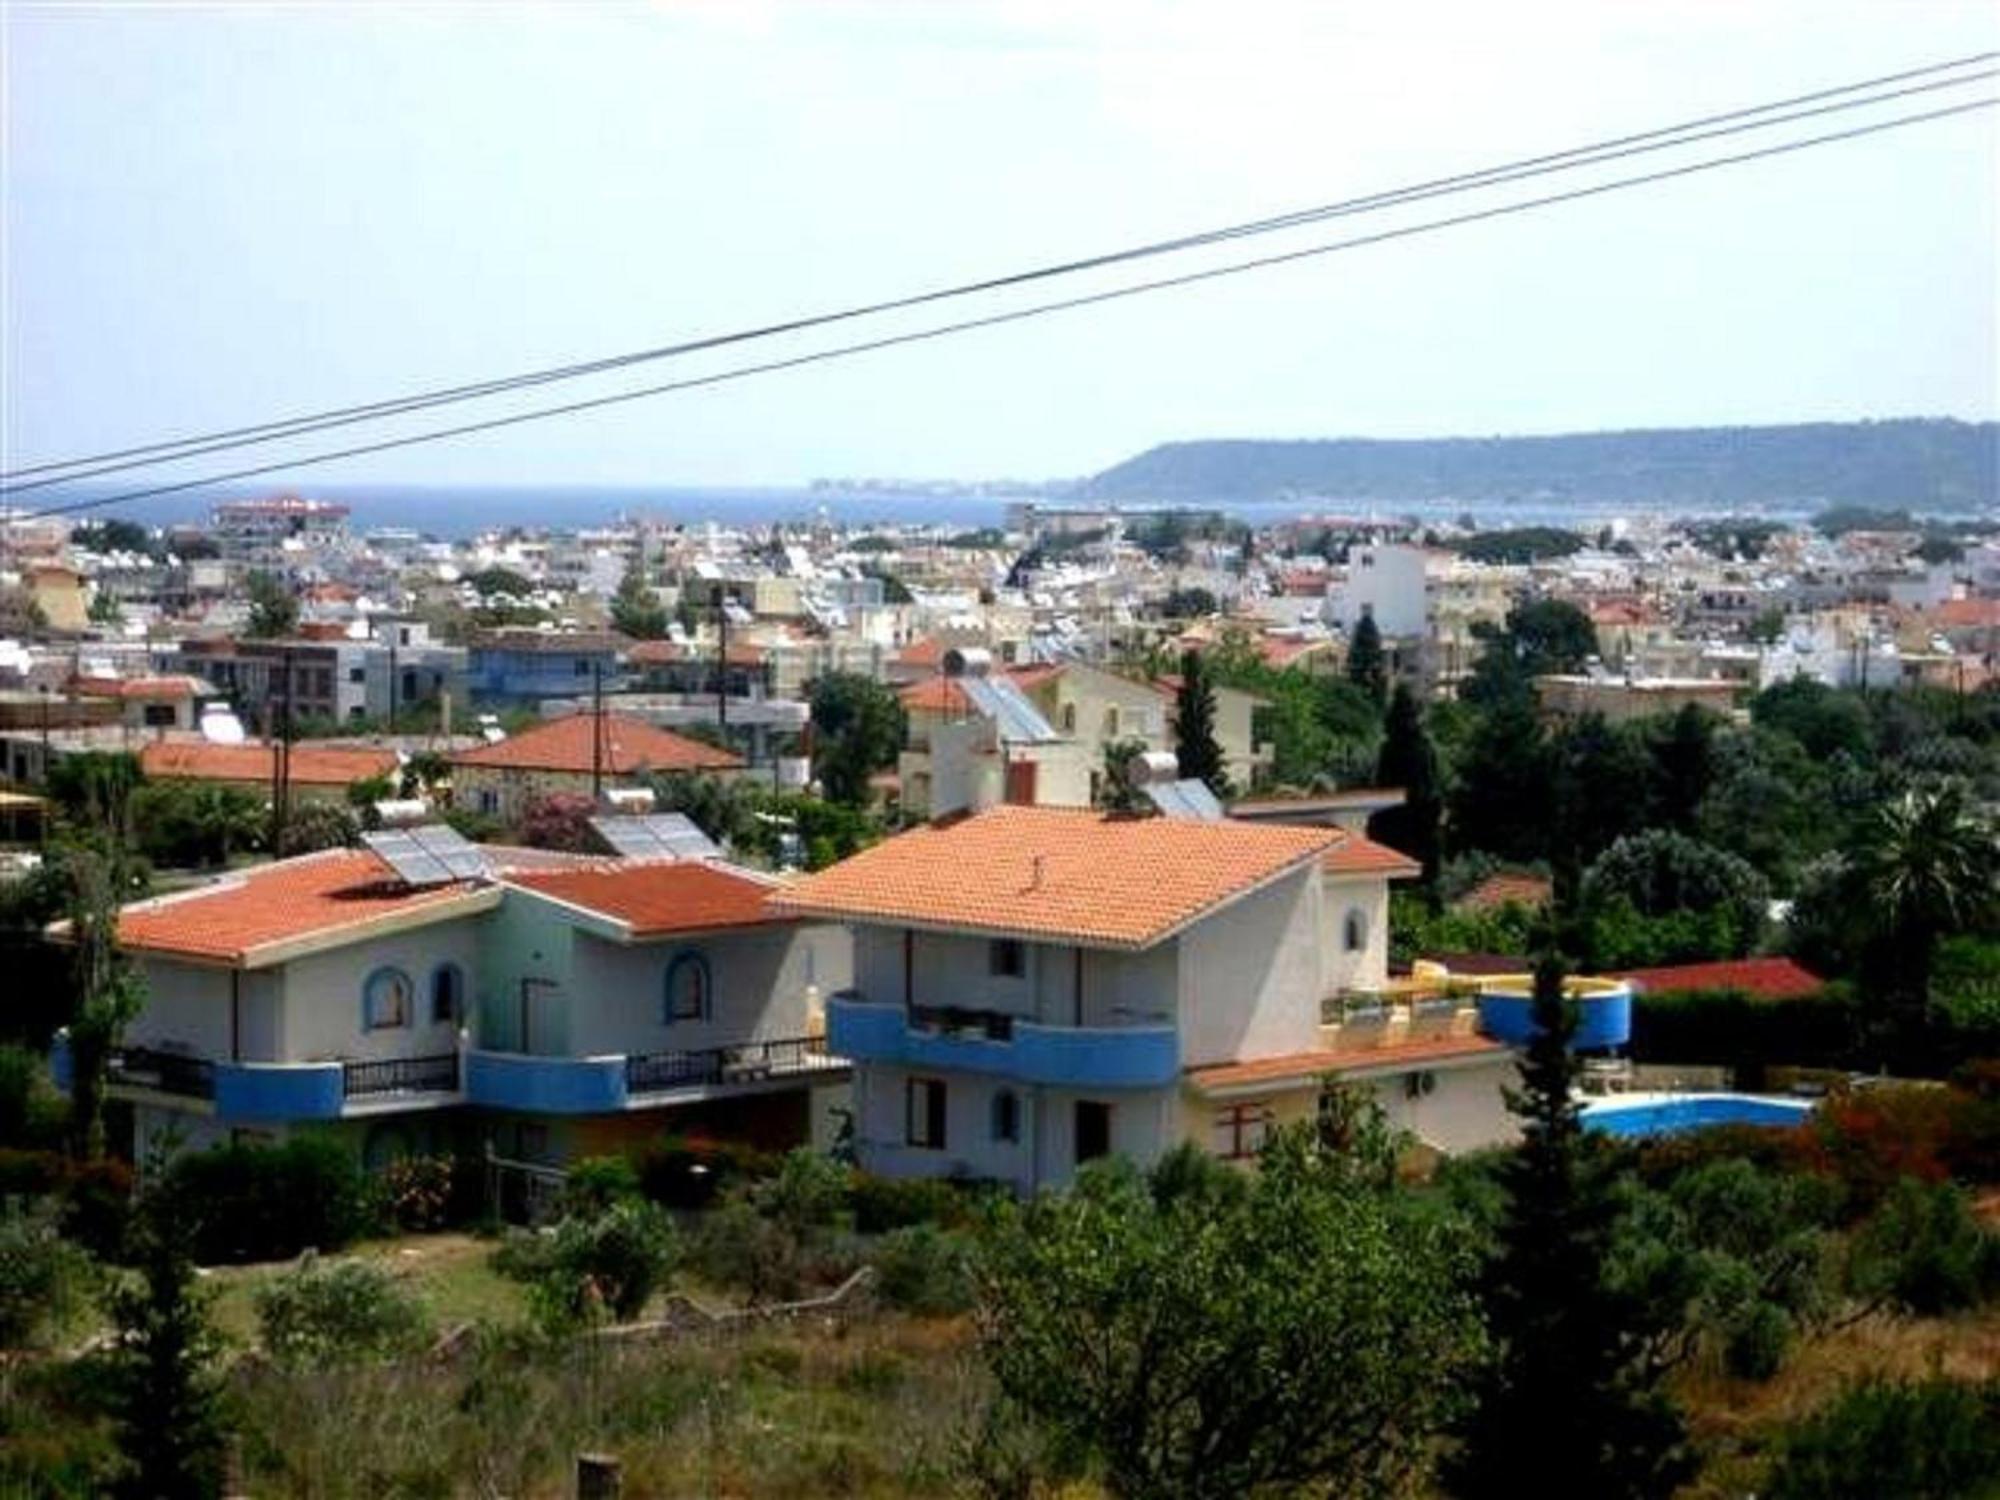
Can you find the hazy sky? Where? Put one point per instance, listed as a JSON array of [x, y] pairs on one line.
[[218, 214]]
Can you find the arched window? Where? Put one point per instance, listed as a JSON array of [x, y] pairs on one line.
[[1354, 931], [385, 1000], [447, 995], [1006, 1116], [689, 989], [1069, 718]]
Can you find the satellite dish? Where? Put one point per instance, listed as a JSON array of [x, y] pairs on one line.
[[220, 726]]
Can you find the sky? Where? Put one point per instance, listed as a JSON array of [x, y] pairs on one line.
[[222, 214]]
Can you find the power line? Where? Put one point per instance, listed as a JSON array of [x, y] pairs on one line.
[[992, 320], [1595, 153]]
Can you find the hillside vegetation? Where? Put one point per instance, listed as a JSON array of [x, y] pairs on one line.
[[1931, 464]]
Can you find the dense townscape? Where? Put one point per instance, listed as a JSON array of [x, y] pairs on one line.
[[884, 1008]]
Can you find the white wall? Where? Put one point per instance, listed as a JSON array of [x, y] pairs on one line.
[[1119, 988], [186, 1009], [617, 998], [1251, 976], [1465, 1110], [322, 1016], [1367, 969]]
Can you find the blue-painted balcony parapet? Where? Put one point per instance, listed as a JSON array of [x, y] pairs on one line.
[[276, 1092], [545, 1085], [1110, 1057], [61, 1069], [1603, 1012]]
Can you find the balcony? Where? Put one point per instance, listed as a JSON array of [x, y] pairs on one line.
[[394, 1077], [1603, 1011], [950, 1038], [271, 1092], [596, 1085], [161, 1073]]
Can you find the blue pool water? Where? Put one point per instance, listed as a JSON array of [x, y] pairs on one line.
[[1666, 1114]]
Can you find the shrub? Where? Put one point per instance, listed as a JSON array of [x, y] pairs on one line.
[[335, 1313], [1925, 1251], [736, 1246], [42, 1276], [880, 1204], [32, 1113], [1871, 1138], [1919, 1440], [597, 1182], [93, 1197], [923, 1269], [270, 1202], [687, 1173], [417, 1193], [1696, 1026], [613, 1259], [808, 1196]]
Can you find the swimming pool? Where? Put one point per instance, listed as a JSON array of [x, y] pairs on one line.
[[1667, 1114]]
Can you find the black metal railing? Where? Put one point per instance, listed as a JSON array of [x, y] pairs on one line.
[[400, 1075], [993, 1025], [747, 1062], [165, 1072]]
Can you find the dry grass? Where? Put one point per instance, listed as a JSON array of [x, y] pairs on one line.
[[1734, 1421]]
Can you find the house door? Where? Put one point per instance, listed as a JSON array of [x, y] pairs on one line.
[[1093, 1130], [1021, 783], [541, 1019]]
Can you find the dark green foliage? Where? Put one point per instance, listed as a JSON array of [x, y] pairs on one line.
[[686, 1174], [1522, 544], [320, 1313], [1409, 760], [182, 824], [636, 609], [1600, 774], [1200, 1332], [1540, 636], [751, 819], [1924, 1251], [1571, 1403], [114, 535], [1188, 604], [1503, 803], [500, 581], [43, 1277], [1195, 744], [274, 608], [1116, 790], [1683, 755], [597, 1182], [1367, 666], [776, 1238], [857, 731], [1746, 1035], [1934, 1439], [593, 1265], [158, 1377], [1659, 873], [249, 1203], [881, 1204], [319, 824], [925, 1270]]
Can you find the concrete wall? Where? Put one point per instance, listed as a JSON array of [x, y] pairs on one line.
[[186, 1009], [1251, 976], [1119, 988], [323, 995], [527, 948]]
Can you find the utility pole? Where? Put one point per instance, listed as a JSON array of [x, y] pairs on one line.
[[596, 732], [281, 762], [722, 662]]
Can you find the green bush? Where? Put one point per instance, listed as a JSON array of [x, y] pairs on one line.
[[1728, 1028], [321, 1313], [924, 1269], [880, 1204], [32, 1113], [736, 1246], [586, 1264], [418, 1194], [43, 1278], [92, 1197], [684, 1173], [252, 1203], [597, 1182], [1919, 1440], [1925, 1251]]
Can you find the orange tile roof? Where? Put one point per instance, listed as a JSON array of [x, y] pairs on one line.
[[1760, 978], [657, 653], [1529, 892], [630, 745], [1356, 1059], [154, 689], [937, 695], [661, 899], [312, 896], [1358, 854], [311, 765], [1067, 874], [924, 651]]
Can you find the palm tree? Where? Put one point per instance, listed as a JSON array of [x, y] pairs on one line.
[[1926, 866]]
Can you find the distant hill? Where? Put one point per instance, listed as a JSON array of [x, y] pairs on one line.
[[1920, 463]]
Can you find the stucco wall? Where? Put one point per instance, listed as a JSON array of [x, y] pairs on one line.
[[186, 1009], [1367, 969], [1250, 976], [323, 994], [1119, 988]]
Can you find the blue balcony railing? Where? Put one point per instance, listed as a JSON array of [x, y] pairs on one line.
[[947, 1039], [1603, 1014]]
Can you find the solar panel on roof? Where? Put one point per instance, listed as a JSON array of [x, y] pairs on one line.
[[451, 849], [656, 836], [999, 699], [411, 862], [1188, 800]]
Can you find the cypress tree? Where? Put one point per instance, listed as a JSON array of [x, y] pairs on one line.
[[1195, 746], [1569, 1407], [1367, 667], [1409, 760]]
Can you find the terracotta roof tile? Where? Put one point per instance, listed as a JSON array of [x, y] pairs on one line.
[[311, 765], [1530, 892], [1358, 854], [1760, 978], [1360, 1058], [630, 745], [658, 900], [314, 895], [936, 695], [150, 689], [1056, 873]]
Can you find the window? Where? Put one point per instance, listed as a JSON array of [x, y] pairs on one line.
[[688, 988], [582, 667], [489, 801], [1093, 1130], [1006, 958], [357, 674], [1069, 718], [1354, 931], [1006, 1116], [447, 995], [385, 1000], [159, 716], [923, 1113], [1240, 1131]]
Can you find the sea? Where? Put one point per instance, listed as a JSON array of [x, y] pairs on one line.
[[453, 512]]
